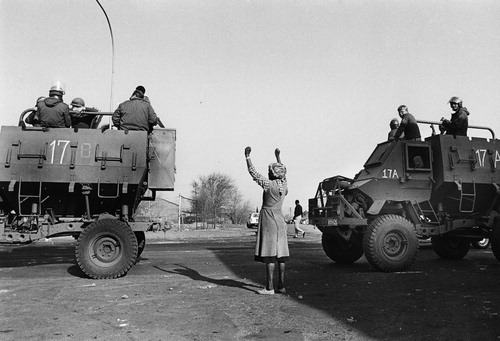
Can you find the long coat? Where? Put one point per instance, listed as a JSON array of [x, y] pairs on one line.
[[271, 244]]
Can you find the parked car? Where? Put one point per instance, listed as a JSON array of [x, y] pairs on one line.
[[253, 221]]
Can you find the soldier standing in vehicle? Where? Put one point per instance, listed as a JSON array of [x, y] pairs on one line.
[[394, 125], [78, 119], [408, 125], [459, 122], [136, 113], [52, 111]]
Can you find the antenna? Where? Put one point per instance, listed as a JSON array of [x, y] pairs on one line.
[[112, 58]]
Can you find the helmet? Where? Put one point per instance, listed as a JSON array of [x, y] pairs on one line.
[[394, 123], [58, 86], [78, 102], [455, 99]]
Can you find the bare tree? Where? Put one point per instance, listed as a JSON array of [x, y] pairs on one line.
[[211, 193], [238, 208]]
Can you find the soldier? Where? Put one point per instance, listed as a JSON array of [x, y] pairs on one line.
[[136, 113], [52, 111], [33, 118], [459, 122], [79, 119], [394, 124], [408, 125]]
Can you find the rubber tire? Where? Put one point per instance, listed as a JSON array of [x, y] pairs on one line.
[[106, 249], [390, 243], [141, 242], [449, 247], [481, 244], [340, 250]]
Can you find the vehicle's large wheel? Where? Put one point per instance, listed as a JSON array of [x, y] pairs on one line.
[[340, 250], [481, 244], [448, 247], [390, 243], [141, 242], [107, 248]]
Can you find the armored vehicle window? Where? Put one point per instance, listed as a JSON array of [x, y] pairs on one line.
[[418, 157]]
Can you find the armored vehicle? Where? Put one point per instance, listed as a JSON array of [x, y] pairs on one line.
[[85, 183], [445, 188]]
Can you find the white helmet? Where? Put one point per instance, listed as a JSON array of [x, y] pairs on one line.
[[58, 86]]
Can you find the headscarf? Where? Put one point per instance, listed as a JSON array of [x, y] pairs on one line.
[[278, 170]]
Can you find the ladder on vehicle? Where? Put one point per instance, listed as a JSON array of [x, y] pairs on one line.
[[467, 201], [426, 212], [22, 197]]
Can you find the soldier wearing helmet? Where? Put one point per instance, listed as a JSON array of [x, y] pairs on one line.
[[459, 122], [52, 111], [394, 125], [78, 118], [408, 125]]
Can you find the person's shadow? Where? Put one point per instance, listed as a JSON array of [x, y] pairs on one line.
[[195, 275]]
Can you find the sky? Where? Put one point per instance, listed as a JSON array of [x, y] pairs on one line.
[[320, 80]]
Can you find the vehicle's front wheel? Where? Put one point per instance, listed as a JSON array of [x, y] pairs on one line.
[[448, 247], [107, 248], [340, 250], [390, 243]]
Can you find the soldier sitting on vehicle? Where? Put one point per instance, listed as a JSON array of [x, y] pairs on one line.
[[136, 113], [52, 111], [78, 118], [33, 118]]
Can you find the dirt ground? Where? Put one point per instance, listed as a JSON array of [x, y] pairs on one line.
[[201, 285]]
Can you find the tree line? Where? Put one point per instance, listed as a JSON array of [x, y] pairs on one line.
[[216, 198]]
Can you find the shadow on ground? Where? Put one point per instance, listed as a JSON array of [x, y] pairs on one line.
[[436, 299]]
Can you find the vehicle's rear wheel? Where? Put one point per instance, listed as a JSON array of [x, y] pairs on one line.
[[340, 250], [449, 247], [141, 242], [107, 248], [390, 243], [481, 244]]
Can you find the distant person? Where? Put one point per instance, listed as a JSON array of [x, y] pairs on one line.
[[272, 244], [52, 111], [33, 118], [136, 113], [394, 125], [297, 217], [459, 122], [408, 126], [79, 119]]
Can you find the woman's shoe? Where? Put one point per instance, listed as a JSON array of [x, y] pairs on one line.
[[265, 292]]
